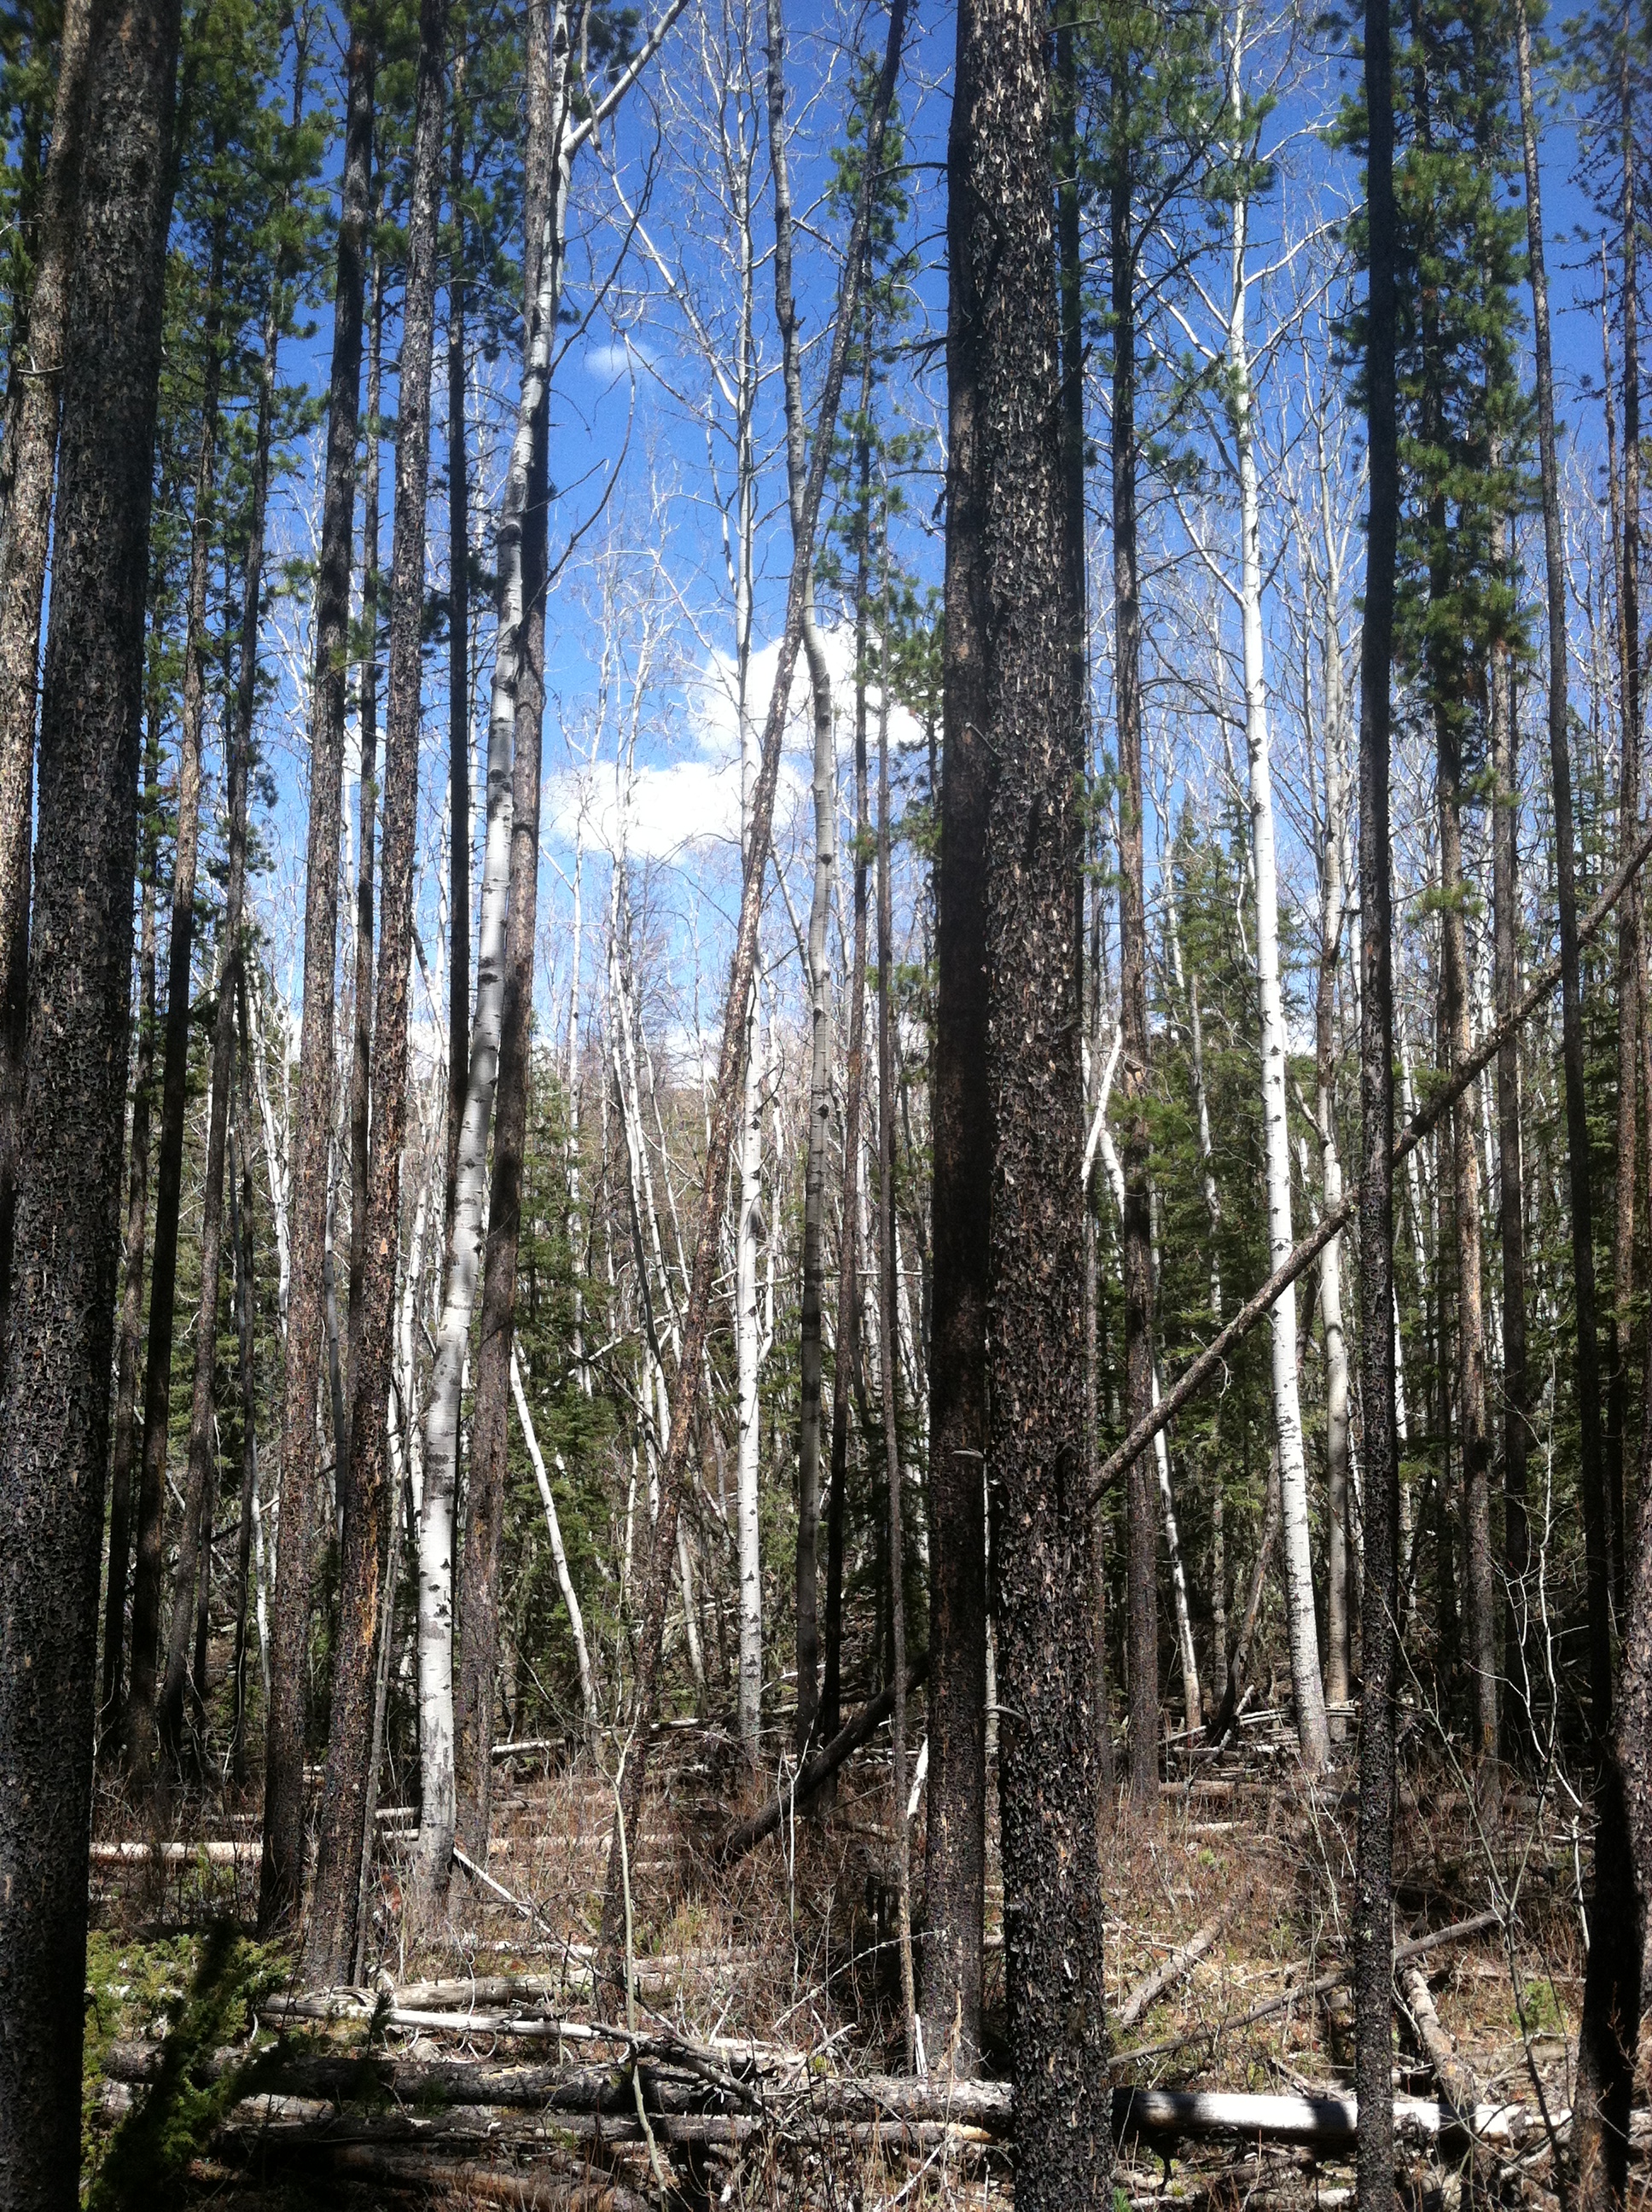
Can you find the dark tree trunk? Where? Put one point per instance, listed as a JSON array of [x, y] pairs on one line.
[[662, 1545], [195, 1538], [1373, 1915], [25, 532], [54, 1416], [330, 1942], [240, 1231], [544, 200], [1141, 1507], [458, 666], [138, 1726], [1609, 2029], [955, 1863], [1032, 733], [846, 1342], [367, 804], [281, 1873], [137, 1215]]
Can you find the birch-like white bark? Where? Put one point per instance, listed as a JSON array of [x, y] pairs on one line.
[[437, 1804], [1312, 1732], [558, 1552]]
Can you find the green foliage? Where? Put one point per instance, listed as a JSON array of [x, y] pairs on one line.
[[198, 1993]]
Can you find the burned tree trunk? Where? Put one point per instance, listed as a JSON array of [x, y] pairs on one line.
[[54, 1416], [281, 1873], [1373, 1917], [25, 531], [955, 1866], [330, 1942], [999, 178], [138, 1724]]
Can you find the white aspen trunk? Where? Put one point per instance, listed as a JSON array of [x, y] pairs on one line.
[[1337, 1628], [438, 1805], [564, 1579], [747, 1344], [275, 1148], [572, 1150], [1312, 1733]]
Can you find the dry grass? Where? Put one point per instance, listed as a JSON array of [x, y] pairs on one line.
[[791, 1949]]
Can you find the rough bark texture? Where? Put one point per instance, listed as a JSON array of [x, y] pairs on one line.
[[194, 1543], [726, 1094], [519, 696], [282, 1870], [1036, 1449], [955, 1847], [54, 1418], [330, 1948], [25, 531], [137, 1214], [138, 1724], [366, 834], [242, 1235], [1373, 1910], [1609, 2029], [1141, 1521]]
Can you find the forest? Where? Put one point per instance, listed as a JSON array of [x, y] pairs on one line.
[[825, 1105]]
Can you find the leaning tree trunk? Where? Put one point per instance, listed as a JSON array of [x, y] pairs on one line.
[[54, 1413], [955, 1857], [820, 907], [1373, 1919], [195, 1537], [485, 1505], [281, 1873], [1141, 1521], [138, 1722], [330, 1938], [1032, 730], [742, 973], [25, 531]]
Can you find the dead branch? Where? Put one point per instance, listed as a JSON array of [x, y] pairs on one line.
[[1166, 1975], [745, 1834]]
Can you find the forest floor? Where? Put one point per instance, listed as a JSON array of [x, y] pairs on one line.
[[768, 1987]]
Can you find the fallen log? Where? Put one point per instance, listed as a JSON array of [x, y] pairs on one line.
[[1455, 2080], [745, 1834], [1321, 2123], [462, 2177], [1166, 1975], [132, 1852]]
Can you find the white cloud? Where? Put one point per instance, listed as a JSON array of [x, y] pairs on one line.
[[675, 805]]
